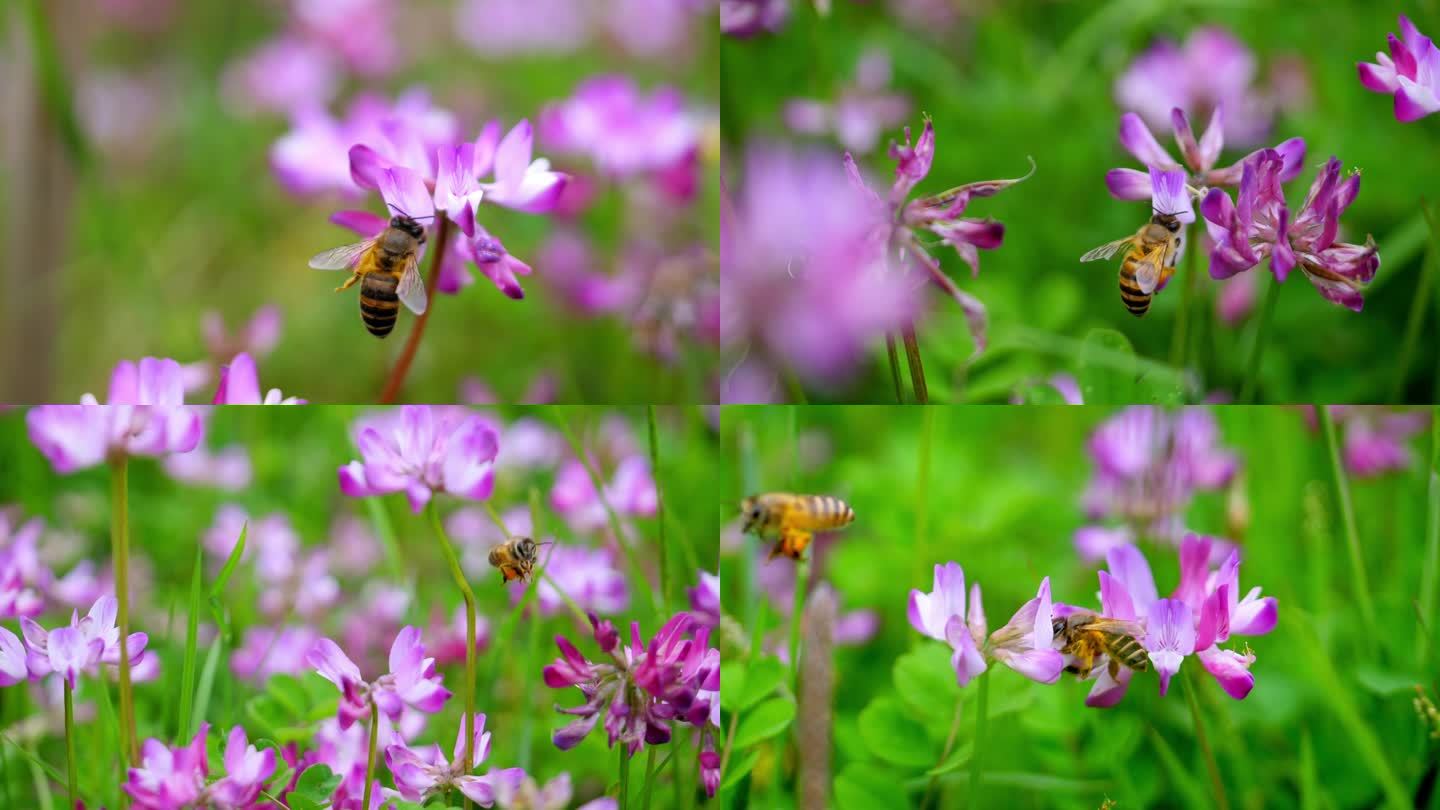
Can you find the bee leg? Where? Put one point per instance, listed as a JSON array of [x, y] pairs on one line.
[[794, 542], [1072, 669], [349, 282], [1114, 669]]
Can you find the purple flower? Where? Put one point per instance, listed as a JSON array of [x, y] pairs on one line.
[[1236, 299], [146, 417], [861, 112], [802, 286], [82, 645], [555, 795], [17, 598], [630, 492], [449, 636], [265, 651], [420, 774], [1411, 73], [169, 778], [1212, 70], [499, 29], [590, 576], [423, 453], [310, 71], [1376, 440], [642, 688], [227, 468], [744, 18], [903, 219], [411, 681], [1024, 644], [246, 771], [240, 385], [705, 600], [1259, 225], [1149, 464], [13, 668], [257, 337], [621, 130]]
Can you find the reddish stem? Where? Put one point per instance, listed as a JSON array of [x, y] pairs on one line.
[[402, 366]]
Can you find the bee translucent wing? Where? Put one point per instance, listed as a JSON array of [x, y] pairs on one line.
[[1147, 276], [1108, 249], [341, 258], [412, 287], [1117, 626]]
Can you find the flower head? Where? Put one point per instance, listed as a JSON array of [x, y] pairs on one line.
[[424, 452], [169, 778], [1411, 73], [82, 645], [425, 772], [554, 795], [411, 682], [1024, 644], [862, 111], [240, 385], [623, 131]]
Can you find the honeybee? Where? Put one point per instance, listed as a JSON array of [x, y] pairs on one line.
[[515, 558], [1149, 261], [1088, 636], [793, 518], [387, 267]]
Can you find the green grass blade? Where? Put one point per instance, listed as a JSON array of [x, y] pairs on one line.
[[55, 87], [45, 768], [219, 587], [192, 630], [207, 678]]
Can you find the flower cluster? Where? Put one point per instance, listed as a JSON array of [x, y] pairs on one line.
[[1024, 644], [424, 772], [1374, 440], [83, 645], [1149, 465], [1411, 73], [176, 778], [410, 682], [423, 451], [642, 688], [860, 113]]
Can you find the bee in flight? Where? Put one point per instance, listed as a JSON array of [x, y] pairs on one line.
[[515, 558], [387, 267], [793, 518], [1087, 637], [1149, 261]]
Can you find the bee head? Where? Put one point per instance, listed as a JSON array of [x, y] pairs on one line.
[[1057, 625], [751, 512], [526, 547], [407, 224], [1169, 222]]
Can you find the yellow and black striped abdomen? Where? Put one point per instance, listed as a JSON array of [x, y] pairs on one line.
[[822, 512], [1127, 650], [1135, 299], [379, 304]]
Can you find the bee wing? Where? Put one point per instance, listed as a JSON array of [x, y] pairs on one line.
[[412, 286], [1147, 269], [1108, 249], [343, 257], [1119, 627]]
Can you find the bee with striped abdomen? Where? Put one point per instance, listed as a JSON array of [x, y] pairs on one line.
[[387, 268], [1149, 261], [516, 558], [1089, 637], [793, 518]]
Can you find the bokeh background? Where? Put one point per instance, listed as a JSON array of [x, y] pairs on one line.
[[1007, 81], [139, 196], [370, 566], [1331, 719]]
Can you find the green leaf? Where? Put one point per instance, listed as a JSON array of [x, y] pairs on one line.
[[207, 678], [1107, 368], [732, 684], [316, 784], [862, 786], [763, 722], [763, 675], [283, 771], [1384, 683], [192, 629], [288, 692], [219, 587], [737, 768], [925, 681], [893, 736], [955, 761]]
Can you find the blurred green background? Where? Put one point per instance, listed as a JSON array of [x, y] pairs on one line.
[[1330, 722], [185, 216], [1035, 78], [295, 453]]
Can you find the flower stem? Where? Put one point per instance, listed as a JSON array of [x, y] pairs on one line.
[[1257, 349], [922, 491], [1216, 785], [74, 781], [1430, 571], [370, 757], [1180, 339], [120, 550], [624, 777], [945, 753], [649, 778], [978, 746], [1347, 513], [468, 689], [917, 368], [407, 355], [797, 614], [1418, 306], [894, 366], [659, 507]]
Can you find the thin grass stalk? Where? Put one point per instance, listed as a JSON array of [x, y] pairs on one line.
[[370, 756], [917, 367], [816, 696], [894, 357], [664, 551], [532, 648], [1352, 534], [922, 496], [1430, 576], [70, 764], [120, 549], [649, 778], [945, 752], [621, 537], [1180, 338], [1418, 306], [1257, 349], [977, 767], [192, 630], [1217, 785], [468, 691], [396, 379]]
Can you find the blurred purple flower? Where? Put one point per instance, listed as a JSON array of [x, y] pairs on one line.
[[1375, 439], [630, 492], [449, 636], [555, 795], [1411, 73], [620, 129], [81, 646], [169, 778], [411, 680], [344, 751], [21, 570], [146, 416], [13, 668], [1149, 464], [744, 18], [1236, 299], [642, 688], [705, 600], [803, 285], [354, 549], [227, 468], [363, 32], [258, 337], [425, 772], [861, 112], [591, 577], [310, 70], [423, 453], [265, 651], [500, 29], [240, 385], [1024, 644], [540, 391], [1259, 225], [1212, 70]]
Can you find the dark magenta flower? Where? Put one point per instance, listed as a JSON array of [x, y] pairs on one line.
[[1411, 73]]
